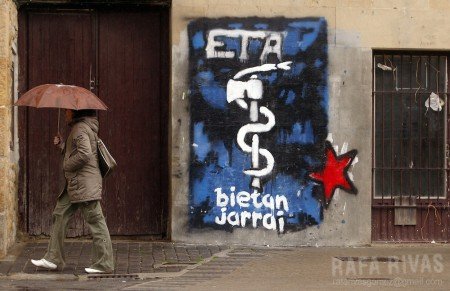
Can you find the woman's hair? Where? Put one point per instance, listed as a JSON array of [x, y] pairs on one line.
[[84, 113]]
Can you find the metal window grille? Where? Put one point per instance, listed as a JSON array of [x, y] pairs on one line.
[[410, 132]]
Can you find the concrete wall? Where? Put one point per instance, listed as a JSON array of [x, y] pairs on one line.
[[354, 29], [8, 147]]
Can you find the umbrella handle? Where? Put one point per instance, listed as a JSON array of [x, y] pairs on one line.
[[59, 117]]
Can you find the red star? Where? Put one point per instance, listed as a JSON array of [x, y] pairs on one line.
[[334, 173]]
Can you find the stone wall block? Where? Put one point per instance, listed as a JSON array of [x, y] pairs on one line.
[[5, 82], [3, 236], [3, 184], [4, 32], [5, 132]]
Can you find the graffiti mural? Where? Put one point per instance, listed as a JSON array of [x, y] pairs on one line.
[[258, 105]]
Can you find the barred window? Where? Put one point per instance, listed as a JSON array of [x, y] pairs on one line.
[[410, 109]]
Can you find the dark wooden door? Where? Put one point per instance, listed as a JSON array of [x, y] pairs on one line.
[[120, 56], [130, 82], [59, 49]]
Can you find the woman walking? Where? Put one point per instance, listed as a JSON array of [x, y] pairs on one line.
[[83, 190]]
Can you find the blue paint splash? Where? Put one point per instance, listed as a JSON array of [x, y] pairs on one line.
[[202, 146], [197, 41], [254, 46], [291, 97], [261, 26], [318, 63], [235, 25], [211, 91], [301, 35], [301, 134]]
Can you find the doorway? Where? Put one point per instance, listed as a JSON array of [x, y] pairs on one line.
[[410, 201], [122, 56]]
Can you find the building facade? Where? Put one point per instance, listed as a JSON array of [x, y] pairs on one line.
[[8, 142], [295, 122]]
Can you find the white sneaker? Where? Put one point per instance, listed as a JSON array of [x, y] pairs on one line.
[[93, 271], [44, 264]]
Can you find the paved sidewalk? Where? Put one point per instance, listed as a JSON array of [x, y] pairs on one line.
[[130, 257], [381, 267], [378, 267]]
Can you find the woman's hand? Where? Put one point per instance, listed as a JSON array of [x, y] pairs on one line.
[[57, 140]]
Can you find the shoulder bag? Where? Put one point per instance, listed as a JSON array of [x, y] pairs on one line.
[[106, 161]]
